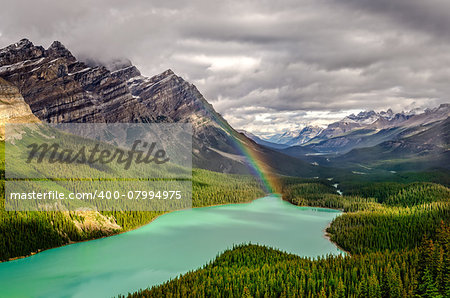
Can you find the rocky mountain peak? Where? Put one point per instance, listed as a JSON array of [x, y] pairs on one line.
[[20, 51], [24, 42], [25, 50], [58, 50], [58, 88], [362, 116], [57, 45], [367, 113], [387, 114], [167, 73], [311, 128]]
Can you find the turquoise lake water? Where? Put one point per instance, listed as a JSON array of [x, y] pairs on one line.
[[174, 243]]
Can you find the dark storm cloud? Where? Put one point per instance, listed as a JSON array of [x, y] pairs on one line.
[[265, 65], [431, 16]]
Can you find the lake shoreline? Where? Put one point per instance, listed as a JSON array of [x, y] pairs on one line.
[[121, 232], [326, 235]]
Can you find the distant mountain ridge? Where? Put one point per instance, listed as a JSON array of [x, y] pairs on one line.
[[420, 148], [282, 138], [293, 138], [371, 128], [417, 139], [362, 120], [261, 141], [306, 134], [363, 129]]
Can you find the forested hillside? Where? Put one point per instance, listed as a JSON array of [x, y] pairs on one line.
[[22, 233], [256, 271], [378, 216]]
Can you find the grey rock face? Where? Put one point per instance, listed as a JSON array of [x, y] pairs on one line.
[[59, 88]]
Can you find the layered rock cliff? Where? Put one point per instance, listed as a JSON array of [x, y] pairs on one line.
[[59, 88]]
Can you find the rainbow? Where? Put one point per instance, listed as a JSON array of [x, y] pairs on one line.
[[257, 166], [255, 161]]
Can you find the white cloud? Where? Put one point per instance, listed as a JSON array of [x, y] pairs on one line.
[[221, 63]]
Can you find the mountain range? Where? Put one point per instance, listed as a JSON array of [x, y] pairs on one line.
[[59, 88], [417, 139], [371, 128]]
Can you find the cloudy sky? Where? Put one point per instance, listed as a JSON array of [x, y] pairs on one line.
[[267, 66]]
